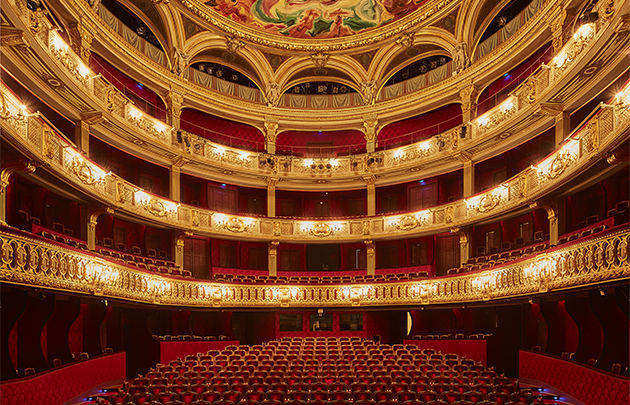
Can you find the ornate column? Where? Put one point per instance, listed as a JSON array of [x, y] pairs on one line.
[[562, 127], [272, 255], [271, 133], [178, 250], [371, 257], [468, 98], [556, 26], [91, 230], [83, 128], [176, 101], [562, 120], [174, 182], [81, 39], [370, 124], [552, 216], [5, 179], [469, 178], [271, 196], [464, 247], [371, 195]]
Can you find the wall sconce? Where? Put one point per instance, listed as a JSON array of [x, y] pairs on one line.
[[623, 97]]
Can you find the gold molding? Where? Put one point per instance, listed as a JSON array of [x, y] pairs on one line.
[[601, 132], [40, 264]]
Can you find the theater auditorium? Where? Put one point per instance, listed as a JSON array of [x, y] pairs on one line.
[[314, 202]]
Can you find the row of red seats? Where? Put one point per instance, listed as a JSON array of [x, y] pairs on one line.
[[316, 279], [322, 371]]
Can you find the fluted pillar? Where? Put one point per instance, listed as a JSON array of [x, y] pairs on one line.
[[82, 136], [271, 196], [272, 255], [562, 127]]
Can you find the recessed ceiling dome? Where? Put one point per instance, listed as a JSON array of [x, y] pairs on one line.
[[314, 18]]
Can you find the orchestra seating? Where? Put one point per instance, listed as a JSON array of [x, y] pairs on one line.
[[322, 370]]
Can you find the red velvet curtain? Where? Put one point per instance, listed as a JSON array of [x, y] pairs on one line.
[[222, 131], [320, 143], [143, 97], [420, 127], [498, 90]]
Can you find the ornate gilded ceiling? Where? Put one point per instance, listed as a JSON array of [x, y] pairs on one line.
[[314, 18]]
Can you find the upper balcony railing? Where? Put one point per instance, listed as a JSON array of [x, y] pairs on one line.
[[445, 144], [601, 131], [39, 264]]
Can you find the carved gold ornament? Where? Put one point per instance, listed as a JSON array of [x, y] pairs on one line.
[[69, 270]]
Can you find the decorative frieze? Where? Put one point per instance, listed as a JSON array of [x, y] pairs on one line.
[[43, 265]]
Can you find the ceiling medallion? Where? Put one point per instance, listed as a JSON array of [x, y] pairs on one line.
[[316, 25]]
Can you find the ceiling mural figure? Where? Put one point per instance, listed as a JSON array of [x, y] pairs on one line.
[[315, 18]]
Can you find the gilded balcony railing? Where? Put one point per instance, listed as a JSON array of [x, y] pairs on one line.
[[604, 130], [39, 264], [443, 145]]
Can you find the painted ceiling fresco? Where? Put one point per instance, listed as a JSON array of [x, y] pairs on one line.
[[314, 18]]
